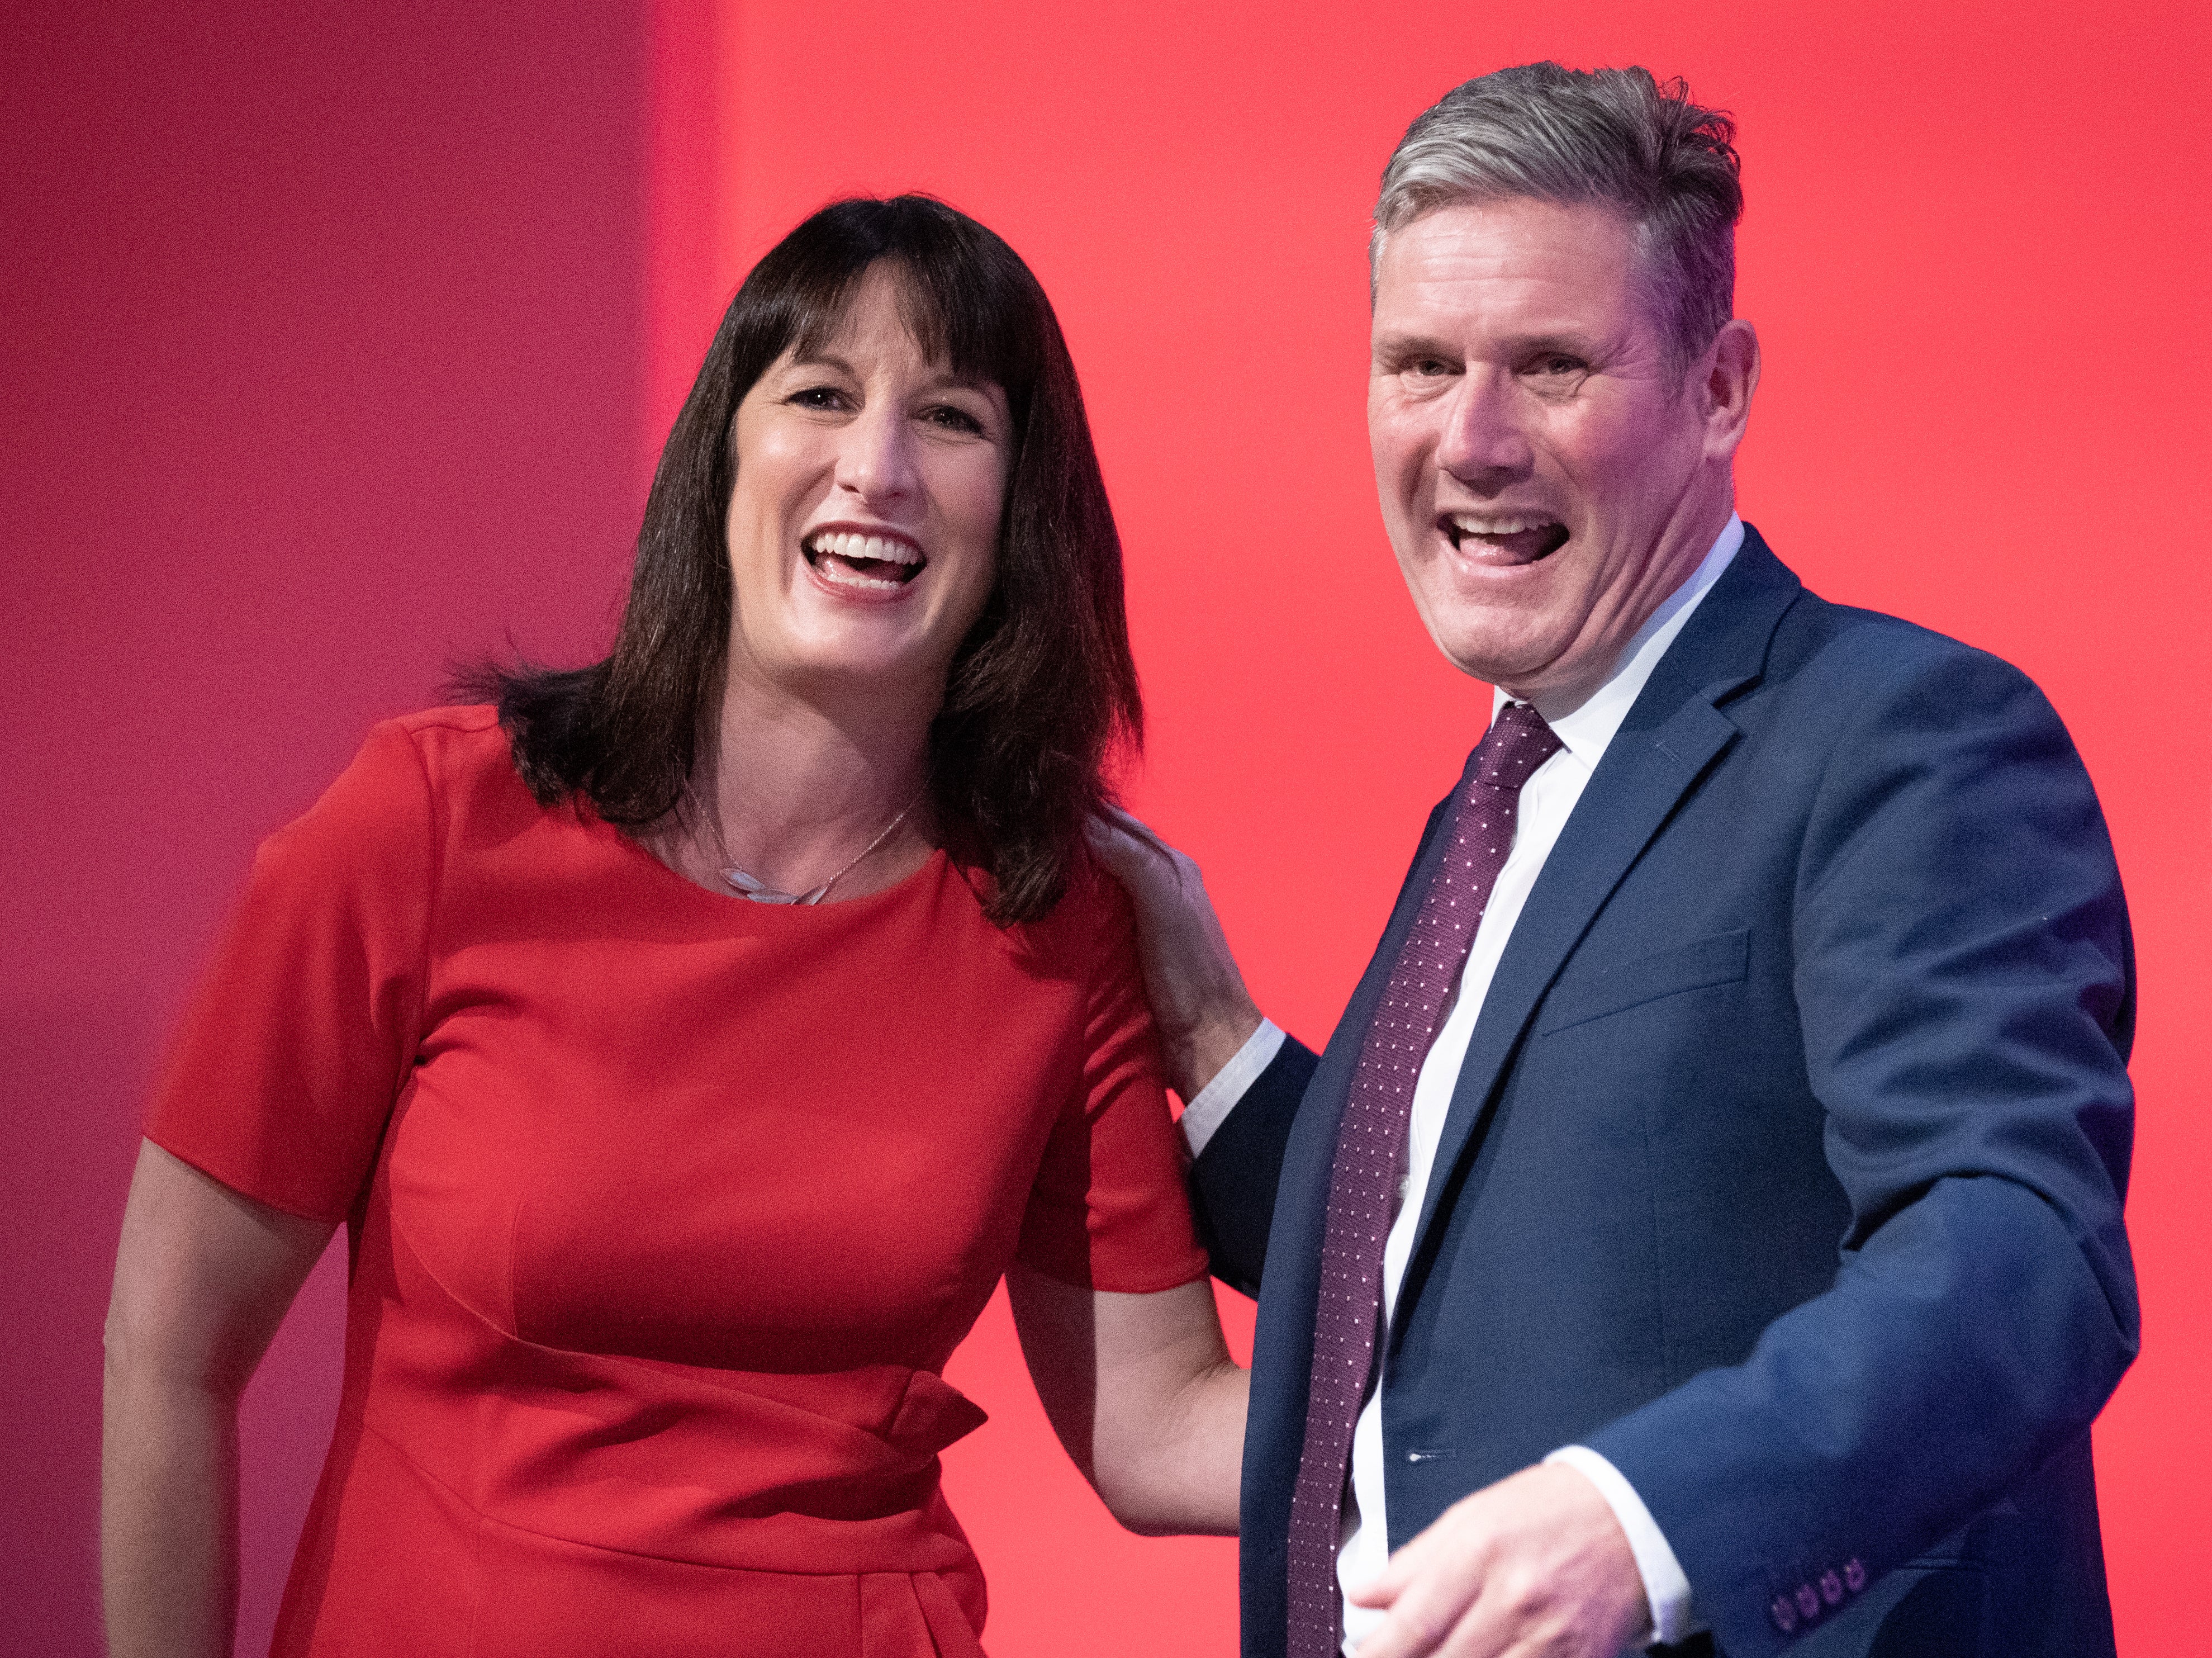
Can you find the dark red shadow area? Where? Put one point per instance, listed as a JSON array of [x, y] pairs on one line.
[[324, 340]]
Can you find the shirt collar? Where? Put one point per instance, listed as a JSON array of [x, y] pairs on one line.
[[1587, 731]]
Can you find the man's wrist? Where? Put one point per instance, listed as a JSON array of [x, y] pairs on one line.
[[1205, 1109], [1666, 1590], [1202, 1054]]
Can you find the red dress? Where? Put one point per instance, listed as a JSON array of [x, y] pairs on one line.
[[665, 1210]]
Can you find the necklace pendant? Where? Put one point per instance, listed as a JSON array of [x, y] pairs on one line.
[[752, 886], [761, 893]]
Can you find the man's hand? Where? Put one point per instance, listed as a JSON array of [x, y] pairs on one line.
[[1532, 1567], [1198, 999]]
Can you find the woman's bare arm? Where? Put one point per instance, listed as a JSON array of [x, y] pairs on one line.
[[202, 1280], [1142, 1392]]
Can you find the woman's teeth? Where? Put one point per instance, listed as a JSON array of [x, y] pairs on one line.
[[878, 563]]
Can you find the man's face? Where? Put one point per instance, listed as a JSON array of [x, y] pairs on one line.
[[1547, 476]]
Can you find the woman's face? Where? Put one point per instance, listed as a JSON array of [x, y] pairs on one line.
[[864, 526]]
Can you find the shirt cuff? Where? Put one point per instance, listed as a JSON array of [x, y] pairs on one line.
[[1203, 1115], [1664, 1586]]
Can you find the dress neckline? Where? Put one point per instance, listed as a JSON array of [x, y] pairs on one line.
[[928, 873]]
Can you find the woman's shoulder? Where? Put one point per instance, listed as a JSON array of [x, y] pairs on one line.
[[457, 754], [409, 775], [462, 744], [1091, 933]]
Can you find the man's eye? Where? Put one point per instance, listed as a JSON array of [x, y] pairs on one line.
[[1559, 364], [1429, 366]]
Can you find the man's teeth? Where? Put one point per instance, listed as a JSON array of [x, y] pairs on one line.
[[1468, 524]]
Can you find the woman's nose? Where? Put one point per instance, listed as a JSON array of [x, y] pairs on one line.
[[877, 460]]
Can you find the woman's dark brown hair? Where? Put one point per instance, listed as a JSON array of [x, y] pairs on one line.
[[1042, 686]]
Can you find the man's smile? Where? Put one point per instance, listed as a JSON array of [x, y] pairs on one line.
[[1502, 538]]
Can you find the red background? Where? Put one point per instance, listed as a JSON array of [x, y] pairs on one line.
[[338, 345]]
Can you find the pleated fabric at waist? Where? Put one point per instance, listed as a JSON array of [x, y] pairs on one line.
[[829, 1473]]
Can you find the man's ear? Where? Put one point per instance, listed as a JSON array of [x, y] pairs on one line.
[[1727, 377]]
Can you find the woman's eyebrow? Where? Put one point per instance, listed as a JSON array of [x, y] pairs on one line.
[[825, 357]]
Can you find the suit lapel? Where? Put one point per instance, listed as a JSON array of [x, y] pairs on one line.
[[1671, 735]]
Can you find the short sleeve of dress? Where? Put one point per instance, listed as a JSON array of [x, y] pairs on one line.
[[290, 1055], [1109, 1210]]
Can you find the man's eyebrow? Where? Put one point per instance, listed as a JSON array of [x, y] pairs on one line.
[[1567, 341], [1409, 344], [1567, 344]]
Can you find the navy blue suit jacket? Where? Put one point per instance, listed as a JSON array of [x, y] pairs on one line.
[[1786, 1161]]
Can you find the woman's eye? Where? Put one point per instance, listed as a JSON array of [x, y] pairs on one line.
[[818, 397], [956, 420]]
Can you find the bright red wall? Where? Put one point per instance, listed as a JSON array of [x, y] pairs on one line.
[[1975, 249], [323, 335], [329, 338]]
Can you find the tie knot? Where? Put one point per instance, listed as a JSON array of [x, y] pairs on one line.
[[1518, 742]]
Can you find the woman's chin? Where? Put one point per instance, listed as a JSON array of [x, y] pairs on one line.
[[846, 662]]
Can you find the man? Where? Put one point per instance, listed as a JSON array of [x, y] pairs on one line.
[[1705, 1226]]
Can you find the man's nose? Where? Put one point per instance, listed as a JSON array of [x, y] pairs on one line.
[[877, 460], [1483, 440]]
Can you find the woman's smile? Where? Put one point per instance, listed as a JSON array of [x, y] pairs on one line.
[[872, 565]]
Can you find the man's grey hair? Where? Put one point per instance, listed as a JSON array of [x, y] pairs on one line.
[[1616, 137]]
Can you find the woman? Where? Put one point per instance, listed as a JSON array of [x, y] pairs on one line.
[[691, 1042]]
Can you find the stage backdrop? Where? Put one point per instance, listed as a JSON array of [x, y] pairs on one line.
[[338, 348]]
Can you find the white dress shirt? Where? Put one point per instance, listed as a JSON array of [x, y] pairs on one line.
[[1547, 800]]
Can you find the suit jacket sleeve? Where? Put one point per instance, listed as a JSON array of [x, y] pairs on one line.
[[1964, 982], [1233, 1181]]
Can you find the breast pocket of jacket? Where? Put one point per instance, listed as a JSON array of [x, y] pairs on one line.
[[1721, 959]]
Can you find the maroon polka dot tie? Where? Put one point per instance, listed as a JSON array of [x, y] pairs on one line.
[[1369, 1144]]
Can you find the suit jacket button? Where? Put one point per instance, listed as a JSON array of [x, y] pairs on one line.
[[1831, 1588], [1808, 1601], [1854, 1575], [1785, 1613]]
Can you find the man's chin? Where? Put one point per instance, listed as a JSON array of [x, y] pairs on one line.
[[1517, 663], [1497, 626]]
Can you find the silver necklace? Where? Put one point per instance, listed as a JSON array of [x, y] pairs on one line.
[[752, 886]]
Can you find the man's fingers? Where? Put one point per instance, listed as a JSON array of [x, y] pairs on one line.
[[1137, 858], [1108, 832], [1125, 828], [1428, 1590], [1387, 1585], [1423, 1619], [1122, 817], [1535, 1566]]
